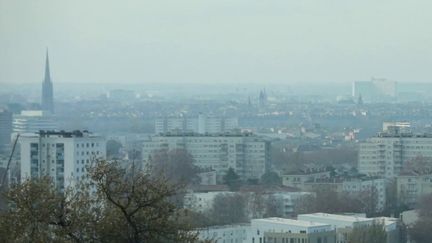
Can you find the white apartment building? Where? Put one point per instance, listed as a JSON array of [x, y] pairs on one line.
[[247, 154], [64, 156], [32, 121], [386, 154], [202, 124]]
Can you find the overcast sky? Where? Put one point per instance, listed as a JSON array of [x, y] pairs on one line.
[[225, 41]]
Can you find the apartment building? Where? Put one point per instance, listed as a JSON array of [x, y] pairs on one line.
[[387, 153], [411, 187], [201, 124], [246, 153], [63, 156]]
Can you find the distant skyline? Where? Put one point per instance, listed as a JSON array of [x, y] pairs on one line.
[[215, 41]]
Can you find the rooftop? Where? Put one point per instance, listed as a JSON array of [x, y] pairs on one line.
[[291, 222], [336, 217]]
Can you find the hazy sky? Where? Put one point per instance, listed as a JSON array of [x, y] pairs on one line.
[[226, 41]]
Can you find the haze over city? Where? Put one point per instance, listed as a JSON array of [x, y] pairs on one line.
[[282, 42], [216, 121]]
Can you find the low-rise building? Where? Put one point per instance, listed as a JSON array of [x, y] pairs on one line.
[[289, 230], [344, 224]]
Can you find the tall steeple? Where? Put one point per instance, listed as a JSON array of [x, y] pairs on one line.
[[47, 69], [47, 88]]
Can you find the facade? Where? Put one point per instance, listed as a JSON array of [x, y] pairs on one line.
[[5, 128], [374, 187], [247, 154], [284, 201], [33, 121], [386, 154], [202, 201], [276, 229], [47, 103], [298, 179], [202, 124], [64, 156], [411, 187]]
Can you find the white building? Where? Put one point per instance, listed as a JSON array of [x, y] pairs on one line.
[[32, 121], [386, 154], [64, 156], [343, 224], [202, 124], [247, 154], [272, 229]]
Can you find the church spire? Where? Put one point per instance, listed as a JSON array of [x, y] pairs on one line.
[[47, 103], [47, 69]]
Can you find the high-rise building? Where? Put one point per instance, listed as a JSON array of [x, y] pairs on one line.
[[202, 124], [32, 121], [63, 156], [247, 154], [375, 90], [385, 154], [47, 89], [5, 128]]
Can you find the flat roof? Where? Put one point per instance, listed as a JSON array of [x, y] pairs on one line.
[[294, 222], [337, 217]]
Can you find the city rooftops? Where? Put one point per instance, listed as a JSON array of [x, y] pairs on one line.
[[194, 134], [334, 217], [75, 133], [289, 222]]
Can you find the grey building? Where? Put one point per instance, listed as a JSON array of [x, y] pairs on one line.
[[246, 153], [202, 124], [385, 154], [5, 128]]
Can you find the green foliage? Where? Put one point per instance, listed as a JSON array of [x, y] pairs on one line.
[[374, 233], [112, 205], [229, 209], [176, 165], [271, 178], [420, 232], [232, 179]]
